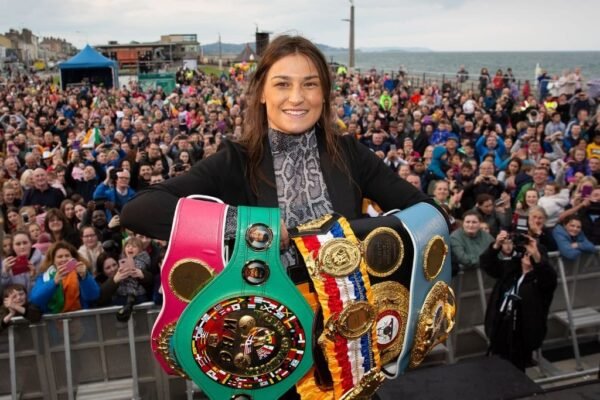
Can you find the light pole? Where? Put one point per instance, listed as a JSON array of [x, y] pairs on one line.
[[351, 44]]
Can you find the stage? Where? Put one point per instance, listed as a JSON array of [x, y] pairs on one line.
[[482, 378]]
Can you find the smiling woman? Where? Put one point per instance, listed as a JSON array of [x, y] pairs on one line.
[[290, 157]]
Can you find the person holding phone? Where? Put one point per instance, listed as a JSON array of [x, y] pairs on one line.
[[517, 311], [134, 265], [22, 265], [64, 282]]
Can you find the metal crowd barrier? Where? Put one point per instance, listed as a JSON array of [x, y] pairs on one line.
[[87, 354], [577, 311]]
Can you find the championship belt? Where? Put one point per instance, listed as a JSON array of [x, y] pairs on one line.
[[405, 258], [193, 258], [408, 262], [432, 307], [247, 334], [339, 275]]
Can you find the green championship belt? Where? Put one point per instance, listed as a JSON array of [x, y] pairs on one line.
[[247, 334]]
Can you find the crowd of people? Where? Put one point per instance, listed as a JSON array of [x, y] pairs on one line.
[[516, 171]]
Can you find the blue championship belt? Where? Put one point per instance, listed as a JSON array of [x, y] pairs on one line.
[[247, 334], [403, 263]]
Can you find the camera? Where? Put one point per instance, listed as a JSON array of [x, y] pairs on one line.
[[25, 217], [179, 167], [519, 236]]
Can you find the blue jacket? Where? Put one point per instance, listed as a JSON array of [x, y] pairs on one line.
[[499, 151], [109, 193], [564, 241], [42, 292], [437, 164], [439, 137]]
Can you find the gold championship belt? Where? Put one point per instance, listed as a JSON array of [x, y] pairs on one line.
[[379, 281]]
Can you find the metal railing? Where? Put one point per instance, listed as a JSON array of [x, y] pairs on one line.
[[581, 270], [73, 349]]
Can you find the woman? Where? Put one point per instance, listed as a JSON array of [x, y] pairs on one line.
[[530, 199], [517, 312], [288, 126], [23, 255], [58, 288], [508, 176], [570, 239], [441, 195], [91, 247], [68, 209], [469, 242], [108, 276], [15, 220], [57, 225]]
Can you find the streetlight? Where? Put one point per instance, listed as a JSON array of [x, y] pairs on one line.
[[351, 44]]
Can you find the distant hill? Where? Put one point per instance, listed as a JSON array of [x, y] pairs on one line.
[[233, 48]]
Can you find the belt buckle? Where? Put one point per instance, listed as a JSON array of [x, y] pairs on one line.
[[367, 386]]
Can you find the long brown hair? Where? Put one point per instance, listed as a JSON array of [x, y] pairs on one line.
[[255, 121], [49, 259]]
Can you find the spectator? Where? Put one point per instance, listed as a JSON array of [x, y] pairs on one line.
[[22, 265], [570, 240], [485, 182], [517, 311], [59, 228], [60, 289], [553, 202], [91, 247], [42, 194], [589, 213], [136, 268], [530, 200], [494, 214], [15, 304], [540, 179], [468, 242], [115, 189]]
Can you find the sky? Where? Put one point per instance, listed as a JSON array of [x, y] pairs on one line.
[[439, 25]]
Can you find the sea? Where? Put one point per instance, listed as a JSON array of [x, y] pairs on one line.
[[447, 64]]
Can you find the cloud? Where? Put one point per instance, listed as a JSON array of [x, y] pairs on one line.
[[436, 24]]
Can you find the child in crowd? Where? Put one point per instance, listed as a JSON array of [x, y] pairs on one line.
[[135, 263], [15, 304], [553, 202]]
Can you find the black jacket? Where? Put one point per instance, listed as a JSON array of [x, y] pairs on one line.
[[223, 175], [536, 293]]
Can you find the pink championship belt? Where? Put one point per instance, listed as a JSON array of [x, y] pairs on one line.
[[194, 256]]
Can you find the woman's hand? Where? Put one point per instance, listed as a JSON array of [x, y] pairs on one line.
[[81, 269], [8, 264], [61, 272], [121, 274]]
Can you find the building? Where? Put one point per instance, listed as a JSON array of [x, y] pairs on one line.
[[151, 56], [54, 49], [25, 43]]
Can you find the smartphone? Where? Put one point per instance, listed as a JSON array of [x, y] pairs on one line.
[[21, 265], [71, 265], [75, 145], [126, 263], [25, 217], [499, 202], [586, 191], [393, 147]]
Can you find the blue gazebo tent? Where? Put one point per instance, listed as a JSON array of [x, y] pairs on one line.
[[89, 66]]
